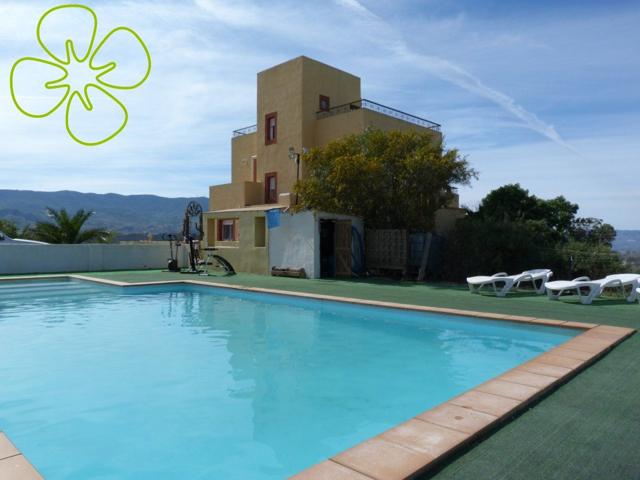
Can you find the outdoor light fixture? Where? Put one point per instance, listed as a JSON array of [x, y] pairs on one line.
[[295, 157]]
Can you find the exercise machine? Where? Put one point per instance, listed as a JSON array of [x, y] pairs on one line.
[[191, 238]]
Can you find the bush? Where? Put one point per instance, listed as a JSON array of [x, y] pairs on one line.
[[514, 231]]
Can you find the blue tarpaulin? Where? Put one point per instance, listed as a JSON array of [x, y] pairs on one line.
[[273, 218]]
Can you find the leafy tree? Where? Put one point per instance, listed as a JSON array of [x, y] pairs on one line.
[[390, 179], [593, 231], [509, 203], [9, 227], [514, 231], [68, 229], [514, 203]]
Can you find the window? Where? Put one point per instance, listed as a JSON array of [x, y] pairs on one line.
[[271, 188], [260, 236], [228, 230], [271, 128], [325, 103]]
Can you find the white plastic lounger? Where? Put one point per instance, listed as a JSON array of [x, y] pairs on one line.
[[588, 289], [541, 275]]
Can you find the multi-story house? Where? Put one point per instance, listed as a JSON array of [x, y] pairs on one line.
[[301, 104]]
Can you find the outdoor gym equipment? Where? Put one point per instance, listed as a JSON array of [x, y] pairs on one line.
[[194, 210]]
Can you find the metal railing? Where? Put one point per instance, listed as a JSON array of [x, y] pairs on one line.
[[376, 107], [245, 130]]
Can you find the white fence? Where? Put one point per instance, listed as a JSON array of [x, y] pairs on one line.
[[16, 259]]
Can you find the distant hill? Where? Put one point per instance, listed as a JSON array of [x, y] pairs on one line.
[[131, 216], [627, 241]]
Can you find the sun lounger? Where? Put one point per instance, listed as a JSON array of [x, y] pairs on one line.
[[507, 282], [588, 289]]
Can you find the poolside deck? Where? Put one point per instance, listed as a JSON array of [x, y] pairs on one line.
[[588, 428]]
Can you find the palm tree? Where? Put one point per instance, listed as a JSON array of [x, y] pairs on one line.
[[66, 229]]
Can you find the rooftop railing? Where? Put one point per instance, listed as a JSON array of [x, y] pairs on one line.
[[376, 107], [245, 130]]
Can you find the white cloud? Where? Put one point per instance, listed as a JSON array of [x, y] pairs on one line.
[[461, 71]]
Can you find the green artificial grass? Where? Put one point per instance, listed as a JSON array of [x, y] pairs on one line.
[[589, 428]]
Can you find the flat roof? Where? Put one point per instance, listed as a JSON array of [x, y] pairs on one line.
[[250, 208]]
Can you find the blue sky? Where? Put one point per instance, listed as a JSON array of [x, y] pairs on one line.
[[542, 93]]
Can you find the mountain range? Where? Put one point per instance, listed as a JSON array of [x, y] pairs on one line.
[[135, 216], [130, 216], [627, 241]]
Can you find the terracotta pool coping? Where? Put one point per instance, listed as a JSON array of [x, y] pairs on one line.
[[426, 440]]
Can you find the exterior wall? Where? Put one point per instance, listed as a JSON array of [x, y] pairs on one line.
[[235, 195], [293, 243], [244, 255], [280, 91], [293, 90], [243, 148], [356, 121], [321, 79], [446, 219], [296, 242], [18, 259]]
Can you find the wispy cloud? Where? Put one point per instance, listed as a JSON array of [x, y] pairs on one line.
[[456, 74], [491, 82]]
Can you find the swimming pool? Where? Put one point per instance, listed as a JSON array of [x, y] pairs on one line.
[[195, 382]]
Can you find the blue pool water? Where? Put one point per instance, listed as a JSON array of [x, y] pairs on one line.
[[180, 382]]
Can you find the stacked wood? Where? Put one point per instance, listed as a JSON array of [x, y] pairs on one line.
[[288, 272]]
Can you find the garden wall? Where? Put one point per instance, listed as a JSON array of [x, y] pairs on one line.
[[17, 259]]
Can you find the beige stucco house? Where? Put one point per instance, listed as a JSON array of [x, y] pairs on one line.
[[301, 104]]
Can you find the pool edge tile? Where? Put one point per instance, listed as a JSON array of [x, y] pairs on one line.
[[7, 448], [329, 470], [381, 459], [18, 467]]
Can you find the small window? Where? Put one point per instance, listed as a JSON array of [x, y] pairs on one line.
[[228, 230], [271, 188], [325, 103], [271, 128], [260, 232]]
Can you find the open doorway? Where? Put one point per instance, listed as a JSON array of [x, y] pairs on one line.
[[335, 248]]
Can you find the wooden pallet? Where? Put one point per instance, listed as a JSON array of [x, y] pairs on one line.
[[288, 272]]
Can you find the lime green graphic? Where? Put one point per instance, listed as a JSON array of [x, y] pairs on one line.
[[75, 54]]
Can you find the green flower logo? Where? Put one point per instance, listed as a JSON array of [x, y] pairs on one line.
[[80, 76]]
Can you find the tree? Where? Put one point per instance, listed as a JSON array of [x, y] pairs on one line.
[[593, 231], [390, 179], [514, 231], [9, 228], [68, 229], [514, 203]]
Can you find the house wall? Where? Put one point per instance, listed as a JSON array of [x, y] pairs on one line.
[[243, 255], [292, 90], [293, 243], [235, 195], [243, 147], [446, 219], [18, 259], [296, 242]]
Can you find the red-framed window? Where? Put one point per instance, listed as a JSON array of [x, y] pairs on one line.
[[228, 230], [271, 187], [270, 128], [324, 104]]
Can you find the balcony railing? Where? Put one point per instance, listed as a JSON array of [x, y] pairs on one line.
[[245, 130], [376, 107]]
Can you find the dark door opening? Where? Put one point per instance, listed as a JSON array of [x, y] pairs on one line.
[[335, 248], [327, 248]]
